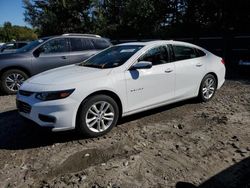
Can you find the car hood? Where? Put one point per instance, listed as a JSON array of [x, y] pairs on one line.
[[11, 55], [68, 74]]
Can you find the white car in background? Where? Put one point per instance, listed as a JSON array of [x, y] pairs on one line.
[[120, 81]]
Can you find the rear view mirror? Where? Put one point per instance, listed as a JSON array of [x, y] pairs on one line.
[[38, 51], [142, 65]]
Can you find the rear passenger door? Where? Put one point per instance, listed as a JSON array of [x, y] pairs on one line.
[[81, 49], [189, 66]]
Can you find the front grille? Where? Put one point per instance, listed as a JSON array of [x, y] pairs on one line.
[[25, 93], [23, 107]]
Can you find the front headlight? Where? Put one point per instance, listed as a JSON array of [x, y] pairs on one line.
[[54, 95]]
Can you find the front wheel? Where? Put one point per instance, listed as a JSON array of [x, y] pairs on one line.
[[97, 116], [11, 80], [207, 88]]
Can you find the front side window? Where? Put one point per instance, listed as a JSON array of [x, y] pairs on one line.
[[55, 46], [112, 57], [157, 56], [183, 52]]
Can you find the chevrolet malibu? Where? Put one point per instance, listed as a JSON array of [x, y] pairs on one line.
[[122, 80]]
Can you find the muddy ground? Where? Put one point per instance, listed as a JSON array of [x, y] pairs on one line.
[[206, 145]]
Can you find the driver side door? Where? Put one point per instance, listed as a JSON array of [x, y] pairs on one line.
[[52, 54], [148, 87]]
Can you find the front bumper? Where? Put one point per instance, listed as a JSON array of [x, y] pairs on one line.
[[58, 114]]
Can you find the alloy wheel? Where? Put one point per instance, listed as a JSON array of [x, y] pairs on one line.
[[100, 116], [208, 88], [14, 81]]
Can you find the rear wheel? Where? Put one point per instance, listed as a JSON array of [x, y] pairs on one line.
[[11, 80], [97, 116], [207, 88]]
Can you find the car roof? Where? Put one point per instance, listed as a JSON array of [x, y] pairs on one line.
[[77, 35], [147, 43], [142, 43], [155, 42]]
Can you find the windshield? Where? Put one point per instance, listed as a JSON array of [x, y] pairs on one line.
[[32, 45], [112, 57]]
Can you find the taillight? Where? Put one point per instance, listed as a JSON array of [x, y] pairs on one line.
[[222, 61]]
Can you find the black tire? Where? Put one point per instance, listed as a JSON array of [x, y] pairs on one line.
[[5, 75], [81, 125], [201, 95]]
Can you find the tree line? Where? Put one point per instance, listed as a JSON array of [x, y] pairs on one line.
[[118, 19], [10, 32]]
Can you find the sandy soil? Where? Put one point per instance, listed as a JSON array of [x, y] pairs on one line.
[[187, 144]]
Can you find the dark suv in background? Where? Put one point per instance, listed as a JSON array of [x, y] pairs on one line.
[[46, 53], [12, 46]]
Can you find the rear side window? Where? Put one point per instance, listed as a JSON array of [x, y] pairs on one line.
[[87, 44], [184, 52], [200, 53], [80, 44], [76, 44], [100, 43]]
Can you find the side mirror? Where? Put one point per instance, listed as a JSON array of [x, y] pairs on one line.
[[142, 65], [38, 51]]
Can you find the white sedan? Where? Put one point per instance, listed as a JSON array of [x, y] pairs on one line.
[[120, 81]]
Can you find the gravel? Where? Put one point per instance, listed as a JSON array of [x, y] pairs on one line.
[[179, 145]]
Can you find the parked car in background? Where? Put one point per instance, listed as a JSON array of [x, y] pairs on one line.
[[1, 44], [119, 81], [244, 62], [46, 53], [12, 46]]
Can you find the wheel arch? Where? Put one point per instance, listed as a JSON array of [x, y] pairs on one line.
[[25, 70], [215, 75], [109, 93], [212, 73]]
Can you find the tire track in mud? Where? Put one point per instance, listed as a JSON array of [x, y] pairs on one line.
[[84, 159]]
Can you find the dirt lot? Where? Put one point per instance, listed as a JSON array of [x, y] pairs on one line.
[[206, 144]]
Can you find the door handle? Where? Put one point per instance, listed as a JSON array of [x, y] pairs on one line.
[[168, 70], [64, 57], [199, 65]]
